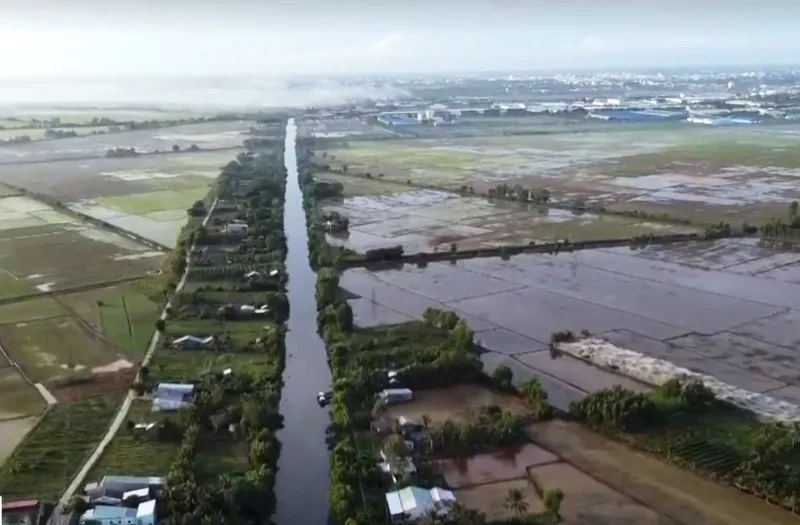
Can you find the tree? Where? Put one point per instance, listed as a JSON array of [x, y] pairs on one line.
[[793, 209], [161, 325], [552, 500], [503, 377], [78, 505], [344, 317], [515, 502]]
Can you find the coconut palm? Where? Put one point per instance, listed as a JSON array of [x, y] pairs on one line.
[[515, 502]]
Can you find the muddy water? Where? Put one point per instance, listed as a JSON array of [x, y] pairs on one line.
[[302, 479]]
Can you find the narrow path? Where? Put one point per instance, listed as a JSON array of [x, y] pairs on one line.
[[124, 408], [46, 395], [304, 464]]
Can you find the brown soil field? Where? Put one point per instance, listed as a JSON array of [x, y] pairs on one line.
[[13, 431], [97, 385], [44, 349], [455, 403], [490, 498], [490, 468], [668, 490], [589, 502]]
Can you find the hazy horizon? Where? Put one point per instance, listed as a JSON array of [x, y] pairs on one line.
[[147, 38]]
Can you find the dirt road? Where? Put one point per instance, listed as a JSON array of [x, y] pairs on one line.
[[668, 490]]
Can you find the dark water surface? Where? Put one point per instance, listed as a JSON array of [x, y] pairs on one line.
[[302, 479]]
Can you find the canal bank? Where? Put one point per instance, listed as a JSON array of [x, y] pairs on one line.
[[303, 467]]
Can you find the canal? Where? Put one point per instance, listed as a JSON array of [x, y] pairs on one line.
[[303, 467]]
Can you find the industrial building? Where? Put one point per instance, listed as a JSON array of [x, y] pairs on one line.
[[643, 116]]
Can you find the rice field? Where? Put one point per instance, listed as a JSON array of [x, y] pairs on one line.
[[54, 349], [697, 172]]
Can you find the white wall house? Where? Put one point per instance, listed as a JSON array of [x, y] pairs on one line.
[[411, 504]]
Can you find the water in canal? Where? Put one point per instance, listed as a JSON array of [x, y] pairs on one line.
[[302, 479]]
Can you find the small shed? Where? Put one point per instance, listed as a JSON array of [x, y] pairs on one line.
[[190, 342]]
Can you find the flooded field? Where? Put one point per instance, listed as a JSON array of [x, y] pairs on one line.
[[208, 135], [490, 498], [498, 466], [699, 172], [708, 307], [456, 403], [426, 221]]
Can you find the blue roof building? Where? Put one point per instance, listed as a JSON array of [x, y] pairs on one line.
[[172, 396]]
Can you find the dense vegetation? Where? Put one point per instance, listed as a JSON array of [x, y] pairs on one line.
[[237, 411], [436, 352], [685, 423]]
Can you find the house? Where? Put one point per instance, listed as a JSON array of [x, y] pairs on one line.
[[247, 309], [411, 504], [190, 342], [235, 228], [394, 396], [23, 512], [172, 396], [383, 425], [142, 494], [396, 468], [127, 483], [144, 514], [109, 495]]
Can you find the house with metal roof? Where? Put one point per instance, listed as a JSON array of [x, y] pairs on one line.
[[411, 504], [108, 495], [172, 396], [144, 514], [127, 483]]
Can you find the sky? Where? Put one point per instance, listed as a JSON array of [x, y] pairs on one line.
[[283, 38]]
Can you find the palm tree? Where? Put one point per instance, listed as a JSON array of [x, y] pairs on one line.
[[515, 502]]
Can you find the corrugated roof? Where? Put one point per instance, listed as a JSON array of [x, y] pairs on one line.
[[20, 504], [133, 480], [141, 493], [108, 512], [147, 508]]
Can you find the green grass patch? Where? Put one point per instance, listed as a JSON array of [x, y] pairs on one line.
[[28, 231], [144, 203], [136, 452], [358, 185], [31, 310], [10, 286], [44, 464], [44, 349], [128, 320], [188, 365]]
